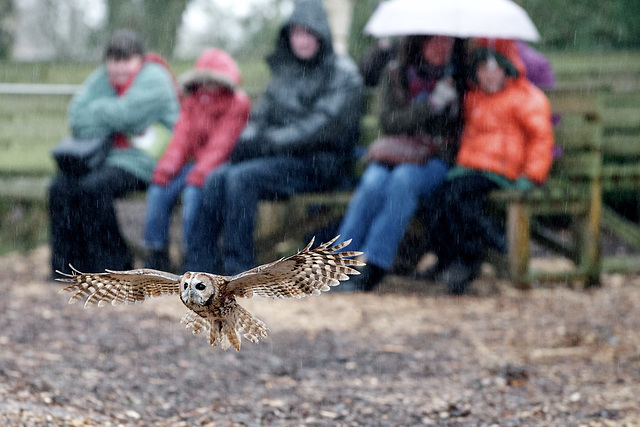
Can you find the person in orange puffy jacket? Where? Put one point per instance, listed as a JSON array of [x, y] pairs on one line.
[[506, 142], [213, 112]]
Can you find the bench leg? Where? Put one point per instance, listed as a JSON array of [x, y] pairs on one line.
[[518, 238], [590, 249]]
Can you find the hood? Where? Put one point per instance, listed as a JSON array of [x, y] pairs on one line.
[[310, 14], [481, 54], [508, 49], [213, 65]]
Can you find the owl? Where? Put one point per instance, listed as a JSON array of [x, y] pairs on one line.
[[211, 299]]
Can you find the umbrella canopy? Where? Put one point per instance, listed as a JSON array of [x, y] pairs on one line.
[[458, 18]]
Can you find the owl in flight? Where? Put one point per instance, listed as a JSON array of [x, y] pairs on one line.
[[211, 299]]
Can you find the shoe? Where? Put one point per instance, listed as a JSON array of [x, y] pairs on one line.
[[458, 275], [158, 260], [369, 277]]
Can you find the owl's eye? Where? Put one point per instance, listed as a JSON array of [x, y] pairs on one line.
[[200, 287], [185, 286]]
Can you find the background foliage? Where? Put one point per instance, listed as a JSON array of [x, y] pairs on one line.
[[586, 25], [61, 25], [157, 21], [7, 25]]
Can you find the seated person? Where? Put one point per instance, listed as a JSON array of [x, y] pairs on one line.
[[127, 95], [214, 111], [375, 59], [539, 71], [300, 137], [506, 142], [420, 103]]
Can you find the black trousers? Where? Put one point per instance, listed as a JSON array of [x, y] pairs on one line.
[[84, 225], [459, 227]]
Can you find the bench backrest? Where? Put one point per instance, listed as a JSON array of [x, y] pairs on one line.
[[578, 134], [619, 114]]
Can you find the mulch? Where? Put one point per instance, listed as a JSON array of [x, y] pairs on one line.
[[406, 355]]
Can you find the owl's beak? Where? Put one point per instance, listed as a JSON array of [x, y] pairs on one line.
[[192, 296]]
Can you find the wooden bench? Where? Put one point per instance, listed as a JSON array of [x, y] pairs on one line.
[[573, 190], [601, 153], [283, 226], [600, 137], [619, 113]]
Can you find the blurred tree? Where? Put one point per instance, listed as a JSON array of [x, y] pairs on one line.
[[358, 41], [262, 26], [586, 25], [157, 21], [7, 28], [627, 13], [56, 29], [193, 39]]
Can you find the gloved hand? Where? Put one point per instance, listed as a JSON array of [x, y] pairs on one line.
[[523, 183], [162, 175], [443, 95]]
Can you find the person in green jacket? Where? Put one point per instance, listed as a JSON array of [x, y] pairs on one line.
[[132, 99]]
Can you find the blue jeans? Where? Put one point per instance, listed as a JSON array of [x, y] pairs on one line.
[[384, 203], [160, 203], [230, 198]]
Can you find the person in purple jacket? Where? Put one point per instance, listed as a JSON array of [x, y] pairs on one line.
[[539, 70]]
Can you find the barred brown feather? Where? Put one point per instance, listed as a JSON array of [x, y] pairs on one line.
[[212, 298], [119, 287], [309, 272]]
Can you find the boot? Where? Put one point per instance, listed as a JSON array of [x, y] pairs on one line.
[[458, 275]]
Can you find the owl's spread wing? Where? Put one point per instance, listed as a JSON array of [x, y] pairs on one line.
[[309, 272], [119, 287]]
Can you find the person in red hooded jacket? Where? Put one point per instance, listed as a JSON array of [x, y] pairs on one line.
[[506, 142], [213, 112]]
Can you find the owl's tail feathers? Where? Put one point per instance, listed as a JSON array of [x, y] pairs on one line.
[[245, 323], [214, 327], [226, 332]]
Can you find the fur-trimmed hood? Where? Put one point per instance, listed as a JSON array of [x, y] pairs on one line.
[[213, 65]]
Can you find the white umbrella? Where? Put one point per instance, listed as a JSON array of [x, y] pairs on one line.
[[459, 18]]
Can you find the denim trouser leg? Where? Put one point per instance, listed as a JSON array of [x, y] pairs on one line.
[[364, 206], [190, 205], [160, 202], [247, 183], [407, 184], [201, 248]]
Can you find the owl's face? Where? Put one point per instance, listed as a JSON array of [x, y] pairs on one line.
[[197, 288]]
